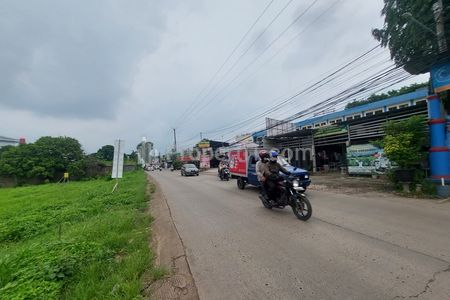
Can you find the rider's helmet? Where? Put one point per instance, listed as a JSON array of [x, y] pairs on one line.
[[263, 154], [273, 156]]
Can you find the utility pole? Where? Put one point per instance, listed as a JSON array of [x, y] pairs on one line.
[[174, 140], [201, 136], [438, 11]]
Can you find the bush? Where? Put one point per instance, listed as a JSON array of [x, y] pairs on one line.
[[405, 142], [429, 188], [177, 164]]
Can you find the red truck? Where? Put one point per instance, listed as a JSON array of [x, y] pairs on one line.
[[243, 167]]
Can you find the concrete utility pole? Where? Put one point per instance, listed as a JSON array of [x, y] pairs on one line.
[[438, 11], [201, 136], [175, 140]]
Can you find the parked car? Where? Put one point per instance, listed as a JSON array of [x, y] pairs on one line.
[[189, 170]]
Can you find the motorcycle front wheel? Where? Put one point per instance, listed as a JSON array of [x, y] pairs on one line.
[[301, 207]]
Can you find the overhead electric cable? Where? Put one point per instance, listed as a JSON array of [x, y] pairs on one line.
[[230, 55]]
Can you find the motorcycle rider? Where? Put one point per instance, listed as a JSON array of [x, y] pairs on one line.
[[260, 168], [222, 165], [271, 174]]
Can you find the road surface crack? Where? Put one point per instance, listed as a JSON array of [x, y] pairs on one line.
[[427, 287]]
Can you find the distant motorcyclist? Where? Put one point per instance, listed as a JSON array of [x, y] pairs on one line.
[[260, 167], [271, 174], [223, 165]]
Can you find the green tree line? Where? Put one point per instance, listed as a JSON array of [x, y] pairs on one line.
[[49, 157]]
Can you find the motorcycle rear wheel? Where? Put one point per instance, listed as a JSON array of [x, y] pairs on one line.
[[301, 207]]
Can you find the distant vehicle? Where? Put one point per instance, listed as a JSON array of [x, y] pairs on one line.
[[189, 170], [243, 168], [175, 167]]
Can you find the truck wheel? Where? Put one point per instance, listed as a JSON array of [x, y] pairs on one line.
[[241, 183]]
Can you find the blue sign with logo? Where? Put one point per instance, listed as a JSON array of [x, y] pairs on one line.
[[440, 77]]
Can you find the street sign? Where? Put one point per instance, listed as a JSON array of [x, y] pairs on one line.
[[117, 169], [440, 76]]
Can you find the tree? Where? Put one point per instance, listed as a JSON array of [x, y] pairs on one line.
[[21, 162], [405, 141], [106, 153], [47, 158], [411, 45], [133, 156], [392, 93]]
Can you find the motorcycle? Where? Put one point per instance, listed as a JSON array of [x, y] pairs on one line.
[[225, 174], [289, 192]]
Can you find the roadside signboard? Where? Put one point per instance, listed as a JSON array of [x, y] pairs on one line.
[[367, 159], [203, 144], [440, 77], [330, 130], [205, 161], [117, 169]]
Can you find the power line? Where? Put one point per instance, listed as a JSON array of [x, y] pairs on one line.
[[340, 69], [392, 81], [268, 47], [342, 95], [274, 55], [248, 49], [305, 112], [228, 58]]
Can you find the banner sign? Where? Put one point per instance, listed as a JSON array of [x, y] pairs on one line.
[[186, 158], [440, 77], [117, 169], [330, 130], [367, 159], [238, 162], [204, 161]]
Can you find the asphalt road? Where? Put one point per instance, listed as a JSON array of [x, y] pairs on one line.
[[354, 247]]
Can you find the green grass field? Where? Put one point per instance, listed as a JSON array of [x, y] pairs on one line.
[[76, 240]]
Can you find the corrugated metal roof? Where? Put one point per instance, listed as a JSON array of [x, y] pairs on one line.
[[418, 94], [7, 139], [259, 133], [367, 107]]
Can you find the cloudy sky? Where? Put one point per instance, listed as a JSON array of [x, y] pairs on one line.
[[101, 70]]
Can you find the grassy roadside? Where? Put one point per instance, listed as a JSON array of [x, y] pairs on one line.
[[75, 241]]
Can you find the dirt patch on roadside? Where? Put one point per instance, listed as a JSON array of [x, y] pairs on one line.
[[350, 185], [170, 254]]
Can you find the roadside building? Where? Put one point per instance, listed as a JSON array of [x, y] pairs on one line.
[[144, 150], [6, 141], [207, 150], [342, 140]]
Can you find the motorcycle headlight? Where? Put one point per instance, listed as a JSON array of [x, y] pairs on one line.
[[295, 183], [306, 176]]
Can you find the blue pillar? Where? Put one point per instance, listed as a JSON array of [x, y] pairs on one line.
[[439, 151]]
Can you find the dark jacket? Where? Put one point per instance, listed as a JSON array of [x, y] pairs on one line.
[[274, 168]]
